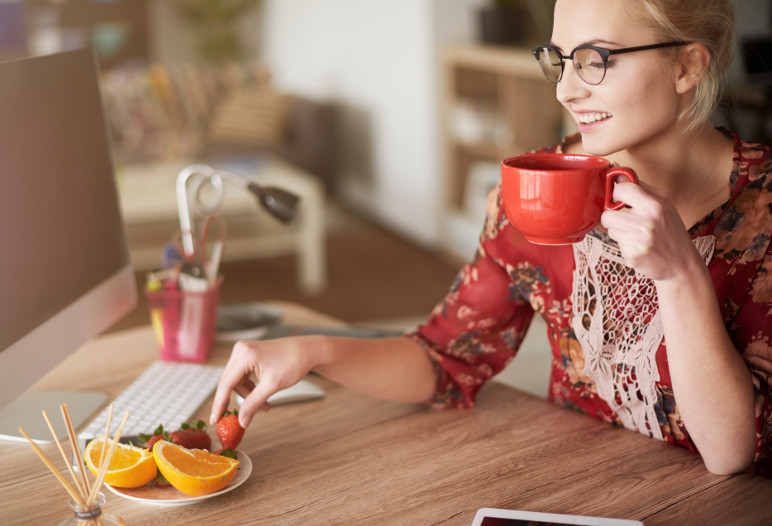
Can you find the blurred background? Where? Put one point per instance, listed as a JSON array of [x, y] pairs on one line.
[[399, 111]]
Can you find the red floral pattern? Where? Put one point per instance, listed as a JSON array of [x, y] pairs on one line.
[[477, 328]]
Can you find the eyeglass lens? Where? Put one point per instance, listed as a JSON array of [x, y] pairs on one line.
[[589, 64]]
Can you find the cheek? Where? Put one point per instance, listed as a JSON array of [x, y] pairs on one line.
[[642, 109], [647, 97], [643, 106], [653, 101]]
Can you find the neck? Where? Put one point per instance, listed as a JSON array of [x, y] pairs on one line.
[[691, 169]]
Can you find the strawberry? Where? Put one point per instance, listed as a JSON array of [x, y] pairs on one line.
[[155, 436], [192, 436], [159, 482], [229, 430]]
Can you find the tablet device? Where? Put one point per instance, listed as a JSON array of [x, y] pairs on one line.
[[497, 517]]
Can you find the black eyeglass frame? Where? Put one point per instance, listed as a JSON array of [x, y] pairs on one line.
[[603, 52]]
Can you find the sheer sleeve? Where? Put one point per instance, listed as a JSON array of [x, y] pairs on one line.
[[475, 330]]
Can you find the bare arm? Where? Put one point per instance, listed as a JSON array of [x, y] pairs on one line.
[[391, 368], [712, 384]]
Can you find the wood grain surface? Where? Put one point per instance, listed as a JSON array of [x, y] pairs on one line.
[[354, 460]]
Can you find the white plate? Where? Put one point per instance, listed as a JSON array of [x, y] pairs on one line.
[[173, 497]]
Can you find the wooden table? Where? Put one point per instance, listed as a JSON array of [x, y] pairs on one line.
[[354, 460]]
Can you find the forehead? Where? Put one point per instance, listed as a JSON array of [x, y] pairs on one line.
[[580, 22]]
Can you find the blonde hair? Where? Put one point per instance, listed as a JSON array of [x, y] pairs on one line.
[[707, 22]]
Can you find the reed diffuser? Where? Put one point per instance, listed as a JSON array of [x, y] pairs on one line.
[[86, 500]]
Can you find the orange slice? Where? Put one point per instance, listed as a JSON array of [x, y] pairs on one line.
[[130, 466], [194, 472]]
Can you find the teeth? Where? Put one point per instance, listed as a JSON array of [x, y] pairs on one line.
[[588, 118]]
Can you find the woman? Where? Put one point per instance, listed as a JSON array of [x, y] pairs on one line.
[[661, 319]]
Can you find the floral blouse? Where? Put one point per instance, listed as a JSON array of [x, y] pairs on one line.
[[609, 359]]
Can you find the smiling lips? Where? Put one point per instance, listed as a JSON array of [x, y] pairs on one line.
[[590, 118]]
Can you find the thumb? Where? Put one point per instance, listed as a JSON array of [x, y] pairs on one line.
[[255, 401]]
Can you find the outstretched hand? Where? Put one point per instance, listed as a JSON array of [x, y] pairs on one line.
[[255, 371]]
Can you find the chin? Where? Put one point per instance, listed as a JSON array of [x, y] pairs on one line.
[[594, 145], [593, 148]]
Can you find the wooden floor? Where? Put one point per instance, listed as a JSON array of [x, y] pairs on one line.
[[373, 275]]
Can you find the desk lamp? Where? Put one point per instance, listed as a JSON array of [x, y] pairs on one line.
[[281, 204]]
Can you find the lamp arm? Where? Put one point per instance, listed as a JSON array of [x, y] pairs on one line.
[[183, 206], [280, 203]]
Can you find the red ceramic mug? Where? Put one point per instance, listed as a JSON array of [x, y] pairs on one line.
[[555, 199]]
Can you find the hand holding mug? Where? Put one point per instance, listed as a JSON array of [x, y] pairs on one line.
[[556, 199]]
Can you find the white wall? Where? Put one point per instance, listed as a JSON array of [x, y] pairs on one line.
[[378, 60]]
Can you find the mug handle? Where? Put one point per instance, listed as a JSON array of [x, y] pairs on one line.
[[610, 177]]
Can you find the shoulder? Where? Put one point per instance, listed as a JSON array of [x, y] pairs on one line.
[[745, 226], [753, 164]]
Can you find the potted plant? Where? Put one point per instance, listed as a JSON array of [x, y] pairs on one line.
[[515, 22], [502, 23], [215, 23]]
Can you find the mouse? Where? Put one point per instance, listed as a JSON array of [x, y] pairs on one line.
[[302, 391]]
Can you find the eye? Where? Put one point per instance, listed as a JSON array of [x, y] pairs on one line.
[[590, 64], [588, 58]]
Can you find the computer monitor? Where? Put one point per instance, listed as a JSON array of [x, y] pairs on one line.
[[65, 273]]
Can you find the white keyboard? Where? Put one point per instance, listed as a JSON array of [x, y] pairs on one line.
[[167, 393]]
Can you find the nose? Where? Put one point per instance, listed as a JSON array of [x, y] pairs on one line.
[[571, 87]]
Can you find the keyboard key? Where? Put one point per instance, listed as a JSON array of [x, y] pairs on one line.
[[167, 393]]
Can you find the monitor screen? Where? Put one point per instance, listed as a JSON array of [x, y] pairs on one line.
[[65, 274]]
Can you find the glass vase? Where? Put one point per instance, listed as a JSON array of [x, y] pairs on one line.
[[84, 515]]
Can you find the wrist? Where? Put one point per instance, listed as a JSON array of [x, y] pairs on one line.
[[320, 352], [689, 292], [687, 272]]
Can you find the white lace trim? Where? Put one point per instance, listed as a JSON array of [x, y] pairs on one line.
[[616, 320]]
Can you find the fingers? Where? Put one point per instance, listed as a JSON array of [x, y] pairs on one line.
[[629, 193], [244, 388], [644, 209], [256, 400], [275, 365], [650, 233], [235, 377], [632, 230]]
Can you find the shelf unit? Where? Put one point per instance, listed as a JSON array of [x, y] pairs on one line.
[[496, 104]]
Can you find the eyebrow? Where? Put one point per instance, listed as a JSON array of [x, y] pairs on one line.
[[594, 42]]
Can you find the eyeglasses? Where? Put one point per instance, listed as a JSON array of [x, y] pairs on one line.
[[590, 62]]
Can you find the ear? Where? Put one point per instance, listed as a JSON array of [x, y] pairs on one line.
[[692, 63]]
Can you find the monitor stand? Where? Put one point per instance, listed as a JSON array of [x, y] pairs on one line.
[[27, 412]]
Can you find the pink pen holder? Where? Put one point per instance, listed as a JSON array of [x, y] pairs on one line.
[[184, 321]]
